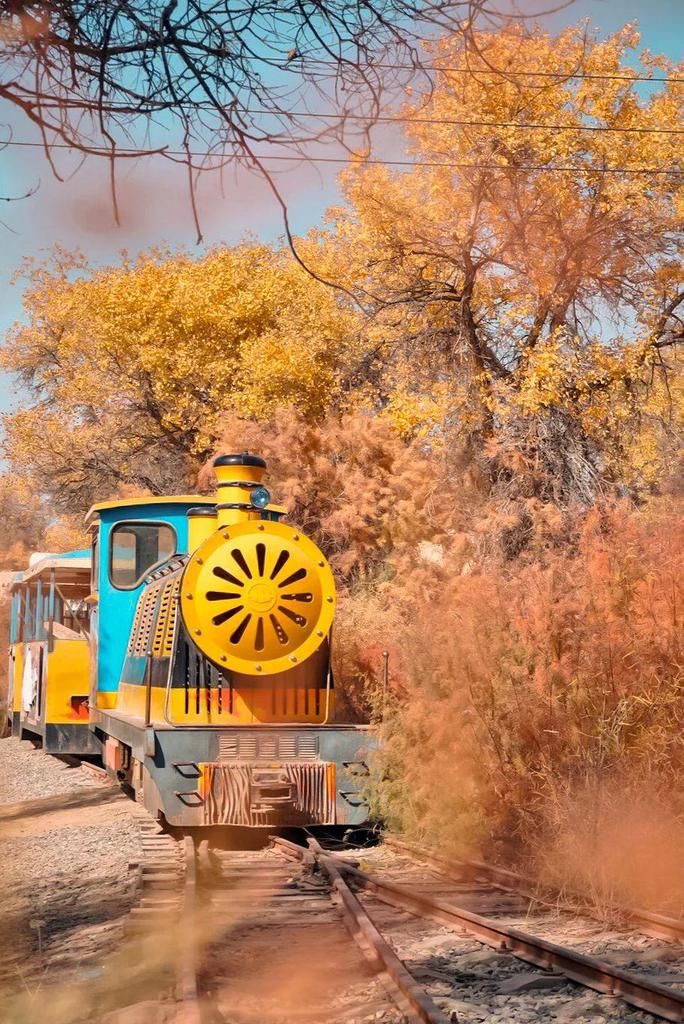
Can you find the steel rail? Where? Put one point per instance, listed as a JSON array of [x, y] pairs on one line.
[[661, 926], [586, 970], [366, 934], [187, 1000]]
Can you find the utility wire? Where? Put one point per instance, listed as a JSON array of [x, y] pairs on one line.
[[532, 125], [287, 65], [287, 158]]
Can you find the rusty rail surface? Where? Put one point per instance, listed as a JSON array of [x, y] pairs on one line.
[[586, 970], [651, 923], [362, 928]]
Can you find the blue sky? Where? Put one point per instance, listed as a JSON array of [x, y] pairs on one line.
[[77, 213]]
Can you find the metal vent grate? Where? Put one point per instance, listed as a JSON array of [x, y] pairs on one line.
[[167, 647], [251, 746], [229, 747], [166, 619], [140, 637], [136, 625], [267, 746], [307, 747], [162, 618], [248, 747], [287, 746]]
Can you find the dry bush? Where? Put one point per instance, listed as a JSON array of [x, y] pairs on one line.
[[350, 482], [365, 627], [620, 842], [532, 690]]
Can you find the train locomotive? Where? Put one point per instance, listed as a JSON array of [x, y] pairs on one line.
[[189, 648]]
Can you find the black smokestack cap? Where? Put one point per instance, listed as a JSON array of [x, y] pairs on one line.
[[240, 460]]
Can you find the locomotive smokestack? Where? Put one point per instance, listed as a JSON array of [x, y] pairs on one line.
[[241, 494]]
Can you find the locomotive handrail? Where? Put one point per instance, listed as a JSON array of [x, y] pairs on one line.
[[169, 675]]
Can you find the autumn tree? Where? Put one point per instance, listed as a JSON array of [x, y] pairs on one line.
[[130, 366], [522, 280], [350, 481], [23, 521]]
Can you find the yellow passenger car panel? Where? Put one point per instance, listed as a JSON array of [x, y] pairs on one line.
[[68, 668]]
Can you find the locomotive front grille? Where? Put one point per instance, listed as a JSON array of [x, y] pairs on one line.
[[291, 793], [253, 746]]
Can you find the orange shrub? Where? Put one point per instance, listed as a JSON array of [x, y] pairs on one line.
[[526, 690], [349, 482]]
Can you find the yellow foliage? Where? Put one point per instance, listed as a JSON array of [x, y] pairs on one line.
[[131, 365], [507, 269], [519, 302], [22, 521], [66, 534]]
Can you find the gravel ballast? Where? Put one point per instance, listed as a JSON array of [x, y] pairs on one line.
[[26, 773], [477, 984], [67, 881]]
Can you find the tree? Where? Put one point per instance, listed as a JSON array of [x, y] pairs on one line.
[[23, 523], [225, 79], [349, 481], [522, 278], [130, 366]]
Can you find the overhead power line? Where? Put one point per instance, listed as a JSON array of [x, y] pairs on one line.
[[290, 65], [291, 158], [458, 122]]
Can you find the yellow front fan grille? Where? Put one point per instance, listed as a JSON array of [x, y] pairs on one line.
[[258, 597]]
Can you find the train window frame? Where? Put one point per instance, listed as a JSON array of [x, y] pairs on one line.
[[95, 561], [123, 524]]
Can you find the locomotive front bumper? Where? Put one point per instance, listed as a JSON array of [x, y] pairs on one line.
[[264, 775], [286, 794]]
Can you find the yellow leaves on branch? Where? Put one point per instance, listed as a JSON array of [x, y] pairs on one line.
[[515, 281], [517, 276], [131, 365]]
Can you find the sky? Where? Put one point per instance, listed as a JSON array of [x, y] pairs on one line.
[[155, 210]]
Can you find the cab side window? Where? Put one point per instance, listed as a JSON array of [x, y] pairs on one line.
[[136, 548]]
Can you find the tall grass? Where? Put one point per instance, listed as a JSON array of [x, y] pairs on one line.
[[534, 699]]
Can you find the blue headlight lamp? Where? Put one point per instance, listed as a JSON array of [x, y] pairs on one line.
[[260, 497]]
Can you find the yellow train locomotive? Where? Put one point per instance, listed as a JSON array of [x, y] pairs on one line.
[[210, 690]]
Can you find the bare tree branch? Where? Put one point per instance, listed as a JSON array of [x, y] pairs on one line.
[[223, 77]]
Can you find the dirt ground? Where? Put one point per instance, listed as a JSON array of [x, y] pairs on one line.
[[66, 843]]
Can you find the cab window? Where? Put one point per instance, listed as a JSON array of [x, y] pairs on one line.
[[136, 548]]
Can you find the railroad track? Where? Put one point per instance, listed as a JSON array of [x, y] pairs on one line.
[[259, 938], [269, 946], [658, 925], [558, 962]]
